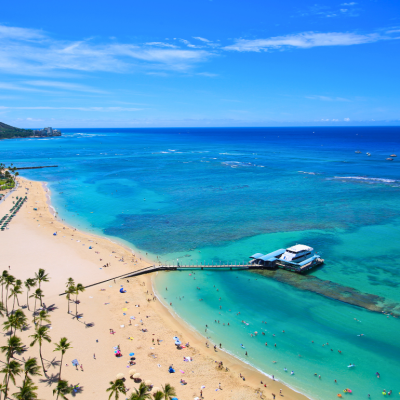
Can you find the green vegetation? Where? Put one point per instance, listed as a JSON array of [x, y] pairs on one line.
[[21, 371], [7, 177], [9, 132]]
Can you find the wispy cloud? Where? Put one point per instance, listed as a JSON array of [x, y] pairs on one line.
[[326, 98], [101, 109], [161, 44], [65, 86], [201, 39], [305, 40], [30, 52]]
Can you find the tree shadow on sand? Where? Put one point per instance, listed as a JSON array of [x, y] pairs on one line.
[[76, 390], [52, 363], [50, 379], [89, 324]]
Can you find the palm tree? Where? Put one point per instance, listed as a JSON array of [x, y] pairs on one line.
[[37, 295], [39, 336], [14, 345], [11, 370], [116, 388], [3, 281], [41, 276], [141, 393], [70, 291], [14, 292], [70, 282], [27, 391], [31, 368], [11, 323], [2, 309], [169, 391], [9, 281], [43, 316], [62, 389], [20, 320], [79, 288], [29, 284], [159, 395], [62, 346]]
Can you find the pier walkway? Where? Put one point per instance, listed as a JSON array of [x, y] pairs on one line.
[[156, 268]]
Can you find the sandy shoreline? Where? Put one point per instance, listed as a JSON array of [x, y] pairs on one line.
[[29, 244]]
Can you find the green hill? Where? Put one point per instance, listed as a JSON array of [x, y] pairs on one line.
[[8, 132]]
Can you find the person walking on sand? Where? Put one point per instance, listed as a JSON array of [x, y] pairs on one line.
[[81, 367]]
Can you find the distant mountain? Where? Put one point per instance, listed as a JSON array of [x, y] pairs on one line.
[[9, 132]]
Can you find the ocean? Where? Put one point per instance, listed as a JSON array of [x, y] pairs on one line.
[[222, 194]]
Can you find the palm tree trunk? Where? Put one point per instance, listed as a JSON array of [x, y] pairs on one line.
[[41, 358], [62, 355], [76, 305], [27, 299], [17, 301], [6, 389], [13, 305], [7, 301], [68, 304], [2, 287]]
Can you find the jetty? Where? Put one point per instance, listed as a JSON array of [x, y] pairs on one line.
[[228, 266]]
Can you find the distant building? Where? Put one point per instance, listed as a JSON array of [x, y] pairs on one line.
[[47, 132]]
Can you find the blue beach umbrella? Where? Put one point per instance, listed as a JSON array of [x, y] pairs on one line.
[[178, 342], [131, 354], [75, 362]]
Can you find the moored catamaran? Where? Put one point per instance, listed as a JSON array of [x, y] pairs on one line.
[[298, 258]]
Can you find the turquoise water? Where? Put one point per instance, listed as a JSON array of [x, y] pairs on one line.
[[203, 195]]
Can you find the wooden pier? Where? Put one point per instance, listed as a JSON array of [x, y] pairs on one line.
[[229, 266]]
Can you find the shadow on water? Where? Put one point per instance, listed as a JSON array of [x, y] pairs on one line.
[[332, 290]]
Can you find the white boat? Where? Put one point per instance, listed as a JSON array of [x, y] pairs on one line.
[[368, 154], [358, 152], [393, 155], [389, 159], [297, 253]]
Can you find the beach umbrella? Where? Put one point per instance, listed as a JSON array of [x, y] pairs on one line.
[[131, 354], [75, 362], [147, 383], [178, 342], [132, 372], [120, 376], [175, 338], [136, 376]]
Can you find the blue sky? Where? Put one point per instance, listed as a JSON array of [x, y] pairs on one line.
[[144, 63]]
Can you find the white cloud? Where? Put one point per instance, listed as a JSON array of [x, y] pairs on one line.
[[346, 119], [160, 44], [209, 74], [343, 10], [201, 39], [22, 53], [326, 98], [10, 32], [101, 109], [349, 4], [65, 86], [304, 40]]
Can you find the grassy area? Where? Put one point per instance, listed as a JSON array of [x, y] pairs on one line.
[[6, 184]]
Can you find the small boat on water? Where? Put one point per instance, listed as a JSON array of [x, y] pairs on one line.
[[389, 159], [368, 154], [393, 155], [358, 152]]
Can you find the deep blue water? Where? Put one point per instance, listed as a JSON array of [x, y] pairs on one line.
[[202, 195]]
